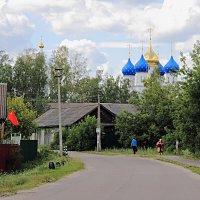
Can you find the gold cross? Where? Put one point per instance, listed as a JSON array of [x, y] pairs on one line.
[[171, 49], [150, 30], [129, 50]]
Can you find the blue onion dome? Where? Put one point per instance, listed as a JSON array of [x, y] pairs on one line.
[[171, 66], [142, 65], [129, 68], [161, 69]]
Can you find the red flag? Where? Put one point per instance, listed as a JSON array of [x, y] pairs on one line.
[[12, 117]]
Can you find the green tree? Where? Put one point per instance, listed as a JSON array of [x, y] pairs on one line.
[[6, 71], [187, 114], [157, 103], [115, 90], [59, 60], [30, 78], [78, 66], [86, 90], [137, 125], [82, 136], [154, 118], [124, 128], [73, 69], [24, 115]]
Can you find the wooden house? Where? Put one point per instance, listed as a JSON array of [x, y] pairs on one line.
[[73, 113]]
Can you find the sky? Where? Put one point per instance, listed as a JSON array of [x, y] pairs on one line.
[[101, 30]]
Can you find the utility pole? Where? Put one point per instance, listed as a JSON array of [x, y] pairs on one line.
[[98, 130], [58, 74], [59, 115]]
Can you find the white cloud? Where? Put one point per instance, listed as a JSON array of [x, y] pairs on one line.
[[187, 45], [38, 6], [123, 45], [12, 25], [175, 17], [169, 19], [15, 29]]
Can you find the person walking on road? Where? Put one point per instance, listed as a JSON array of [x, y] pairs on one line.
[[160, 146], [134, 145]]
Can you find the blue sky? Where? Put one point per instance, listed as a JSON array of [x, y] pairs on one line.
[[101, 29]]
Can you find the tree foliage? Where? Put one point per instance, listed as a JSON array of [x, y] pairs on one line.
[[30, 78], [153, 119], [115, 90], [187, 117], [6, 71], [82, 136], [124, 128], [86, 90], [73, 69], [24, 115]]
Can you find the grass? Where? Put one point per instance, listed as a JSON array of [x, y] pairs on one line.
[[38, 175], [140, 152]]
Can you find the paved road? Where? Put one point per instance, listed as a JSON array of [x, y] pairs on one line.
[[119, 178]]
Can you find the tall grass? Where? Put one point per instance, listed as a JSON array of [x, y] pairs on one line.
[[141, 151]]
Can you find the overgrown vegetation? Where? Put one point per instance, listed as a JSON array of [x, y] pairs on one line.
[[79, 137]]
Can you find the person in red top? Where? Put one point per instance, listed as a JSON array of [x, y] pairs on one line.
[[160, 146]]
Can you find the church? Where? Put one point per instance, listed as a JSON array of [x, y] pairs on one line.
[[147, 65]]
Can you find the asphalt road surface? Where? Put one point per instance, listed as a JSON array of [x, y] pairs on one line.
[[119, 178]]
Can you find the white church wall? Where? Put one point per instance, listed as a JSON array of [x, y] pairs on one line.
[[170, 78], [131, 79], [139, 78]]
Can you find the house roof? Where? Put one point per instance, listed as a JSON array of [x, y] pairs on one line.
[[117, 108], [73, 112]]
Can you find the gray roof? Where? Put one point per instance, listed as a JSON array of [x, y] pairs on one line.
[[116, 108], [73, 112]]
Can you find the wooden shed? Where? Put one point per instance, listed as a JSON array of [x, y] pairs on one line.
[[72, 113]]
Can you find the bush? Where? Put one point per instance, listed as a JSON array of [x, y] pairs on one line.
[[170, 142], [186, 153], [124, 129], [82, 136], [44, 151]]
